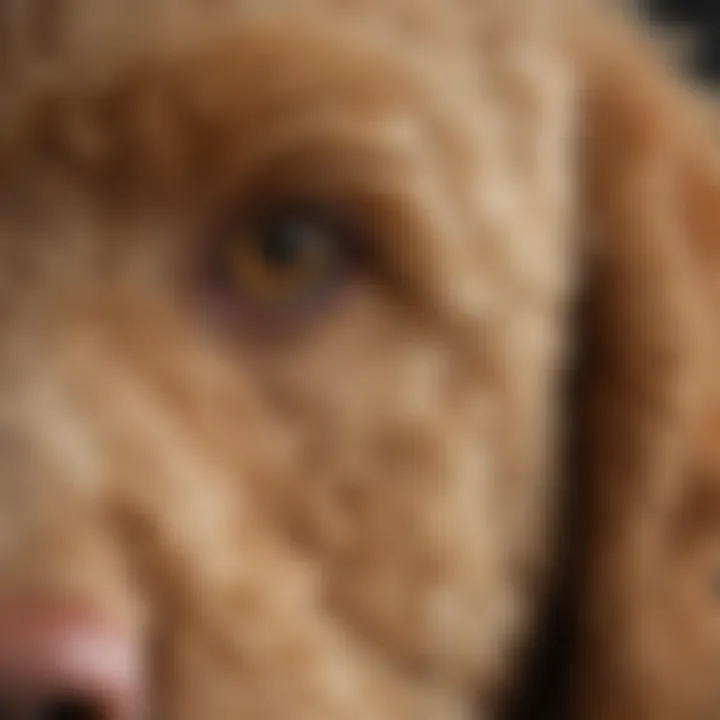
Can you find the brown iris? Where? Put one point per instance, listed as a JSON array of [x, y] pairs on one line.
[[283, 262]]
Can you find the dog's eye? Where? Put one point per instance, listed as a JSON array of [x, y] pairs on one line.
[[282, 258], [281, 263]]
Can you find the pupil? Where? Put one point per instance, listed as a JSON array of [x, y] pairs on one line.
[[283, 242]]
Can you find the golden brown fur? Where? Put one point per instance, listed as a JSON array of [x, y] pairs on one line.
[[355, 520], [649, 641]]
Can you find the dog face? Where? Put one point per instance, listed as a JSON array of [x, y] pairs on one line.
[[283, 293]]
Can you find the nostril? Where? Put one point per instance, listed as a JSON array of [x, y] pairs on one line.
[[70, 708], [57, 664], [57, 708]]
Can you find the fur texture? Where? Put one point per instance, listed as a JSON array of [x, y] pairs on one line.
[[649, 399], [355, 519]]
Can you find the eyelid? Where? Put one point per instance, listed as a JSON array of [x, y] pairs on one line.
[[323, 156], [385, 228], [395, 200]]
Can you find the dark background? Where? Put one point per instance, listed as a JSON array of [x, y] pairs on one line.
[[702, 17]]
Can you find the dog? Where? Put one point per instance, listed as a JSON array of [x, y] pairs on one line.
[[292, 291]]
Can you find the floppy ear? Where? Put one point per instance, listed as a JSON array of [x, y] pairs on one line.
[[646, 407]]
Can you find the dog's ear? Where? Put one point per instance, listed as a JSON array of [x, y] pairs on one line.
[[645, 415]]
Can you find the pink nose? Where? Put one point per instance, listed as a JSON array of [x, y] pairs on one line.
[[62, 664]]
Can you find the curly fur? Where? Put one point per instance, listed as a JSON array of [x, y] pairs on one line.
[[357, 521]]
